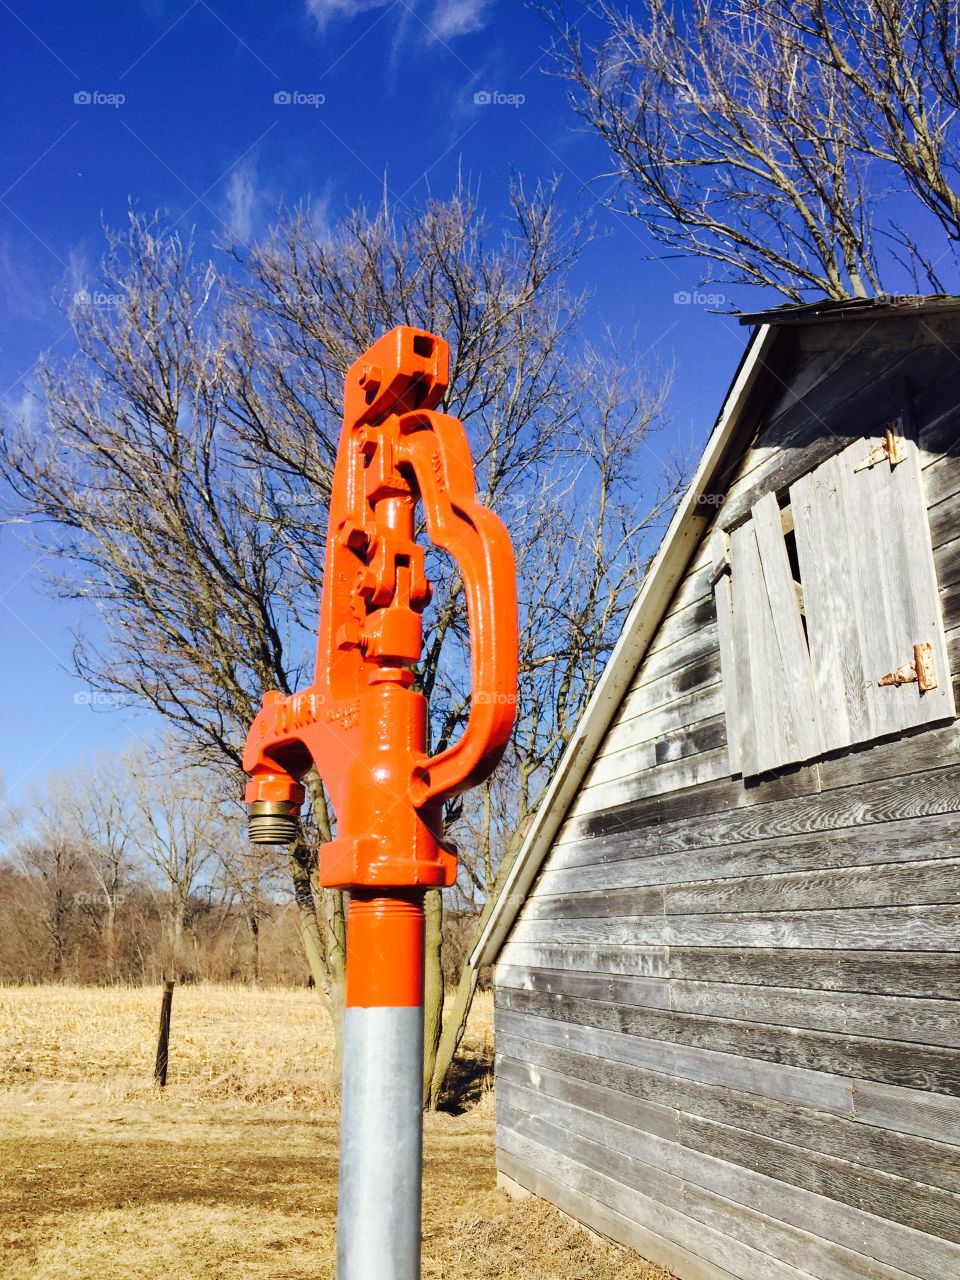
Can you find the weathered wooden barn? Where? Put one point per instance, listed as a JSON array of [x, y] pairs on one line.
[[727, 974]]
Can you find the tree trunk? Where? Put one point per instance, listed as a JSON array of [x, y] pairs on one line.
[[253, 924], [310, 938], [324, 944], [432, 990], [336, 902], [110, 937], [456, 1021], [454, 1026]]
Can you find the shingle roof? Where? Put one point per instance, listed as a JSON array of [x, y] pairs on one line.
[[852, 308]]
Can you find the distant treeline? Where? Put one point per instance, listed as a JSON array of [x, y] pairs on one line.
[[62, 931], [53, 932]]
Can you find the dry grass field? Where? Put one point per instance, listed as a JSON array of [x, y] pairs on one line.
[[232, 1171]]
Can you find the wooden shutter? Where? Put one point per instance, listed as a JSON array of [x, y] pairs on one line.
[[801, 680], [870, 589], [778, 716]]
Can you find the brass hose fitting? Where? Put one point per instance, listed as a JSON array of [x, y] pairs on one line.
[[273, 822]]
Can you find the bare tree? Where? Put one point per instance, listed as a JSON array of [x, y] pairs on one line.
[[763, 138], [184, 469], [178, 823], [251, 875], [48, 854], [97, 803]]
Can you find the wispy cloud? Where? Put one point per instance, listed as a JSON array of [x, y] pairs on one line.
[[322, 11], [444, 19], [244, 202], [23, 407], [458, 18]]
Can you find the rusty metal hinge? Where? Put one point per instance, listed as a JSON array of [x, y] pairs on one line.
[[922, 671], [890, 448]]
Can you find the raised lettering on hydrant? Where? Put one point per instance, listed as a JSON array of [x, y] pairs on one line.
[[363, 723]]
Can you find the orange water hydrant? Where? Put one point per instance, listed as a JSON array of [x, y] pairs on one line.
[[363, 723]]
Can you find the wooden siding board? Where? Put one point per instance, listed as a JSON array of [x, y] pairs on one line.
[[926, 1022], [909, 756], [943, 521], [728, 664], [911, 975], [654, 1228], [692, 679], [689, 802], [902, 1110], [636, 858], [947, 559], [950, 606], [633, 961], [880, 929], [819, 1258], [934, 881], [658, 778], [687, 710], [679, 653], [774, 1080], [691, 740], [797, 678], [910, 1066], [823, 552], [907, 1110], [663, 1214], [610, 1121], [934, 790], [766, 735], [892, 1243], [918, 974], [622, 1227], [654, 1099], [822, 1258], [692, 615]]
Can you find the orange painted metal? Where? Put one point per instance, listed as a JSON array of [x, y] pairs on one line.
[[363, 722], [385, 949]]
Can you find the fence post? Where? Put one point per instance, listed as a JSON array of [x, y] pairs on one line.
[[163, 1043]]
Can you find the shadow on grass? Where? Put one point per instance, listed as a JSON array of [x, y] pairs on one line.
[[469, 1078]]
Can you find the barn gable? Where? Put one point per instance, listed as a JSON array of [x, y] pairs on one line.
[[727, 1000]]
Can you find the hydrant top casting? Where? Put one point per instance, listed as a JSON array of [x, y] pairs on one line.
[[364, 725], [362, 722]]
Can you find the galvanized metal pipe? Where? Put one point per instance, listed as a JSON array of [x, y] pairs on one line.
[[381, 1113]]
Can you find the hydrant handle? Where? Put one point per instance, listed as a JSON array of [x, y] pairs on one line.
[[437, 448]]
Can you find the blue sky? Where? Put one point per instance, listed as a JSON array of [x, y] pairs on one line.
[[215, 113]]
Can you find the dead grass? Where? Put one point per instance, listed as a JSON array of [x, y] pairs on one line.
[[232, 1172]]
